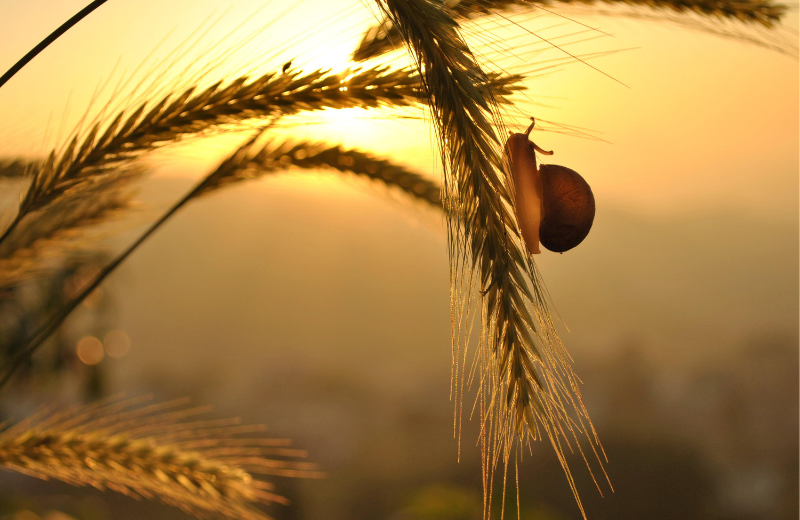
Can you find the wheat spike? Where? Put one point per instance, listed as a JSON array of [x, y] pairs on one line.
[[527, 389], [190, 113], [240, 165], [66, 193], [276, 157], [99, 151], [384, 37], [64, 227], [202, 467]]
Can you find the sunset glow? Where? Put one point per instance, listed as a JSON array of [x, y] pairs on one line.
[[275, 211]]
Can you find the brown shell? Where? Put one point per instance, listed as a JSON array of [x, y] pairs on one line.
[[568, 208]]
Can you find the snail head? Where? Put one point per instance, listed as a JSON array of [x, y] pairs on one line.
[[535, 147]]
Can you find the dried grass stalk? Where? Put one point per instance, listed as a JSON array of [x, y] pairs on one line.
[[103, 147], [527, 389], [203, 467], [97, 153], [64, 228], [240, 165], [277, 157], [384, 37]]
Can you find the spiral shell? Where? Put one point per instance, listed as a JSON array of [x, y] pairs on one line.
[[568, 208]]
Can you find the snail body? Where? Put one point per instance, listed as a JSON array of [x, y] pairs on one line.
[[554, 204]]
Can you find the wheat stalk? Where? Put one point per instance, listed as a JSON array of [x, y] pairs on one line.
[[276, 157], [238, 166], [527, 388], [384, 37], [95, 154], [763, 12], [202, 467], [83, 13], [129, 134], [72, 198], [34, 341], [62, 227]]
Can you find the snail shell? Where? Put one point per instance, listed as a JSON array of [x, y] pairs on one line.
[[554, 204], [568, 208]]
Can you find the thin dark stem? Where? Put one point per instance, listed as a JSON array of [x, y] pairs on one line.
[[53, 323], [27, 349], [11, 227], [50, 39]]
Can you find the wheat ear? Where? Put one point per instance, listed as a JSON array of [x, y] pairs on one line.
[[99, 151], [64, 227], [527, 387], [276, 157], [202, 467], [384, 37], [73, 198], [763, 12], [236, 167]]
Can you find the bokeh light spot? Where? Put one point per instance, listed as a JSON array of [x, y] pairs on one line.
[[117, 343], [90, 350]]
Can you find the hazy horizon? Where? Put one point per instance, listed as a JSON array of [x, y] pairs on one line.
[[319, 303]]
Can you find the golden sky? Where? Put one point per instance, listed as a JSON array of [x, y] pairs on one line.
[[693, 252], [707, 122]]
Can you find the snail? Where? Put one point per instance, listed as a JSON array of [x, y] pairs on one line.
[[554, 204]]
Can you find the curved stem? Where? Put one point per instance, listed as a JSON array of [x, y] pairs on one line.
[[53, 323], [11, 227], [83, 13], [29, 346]]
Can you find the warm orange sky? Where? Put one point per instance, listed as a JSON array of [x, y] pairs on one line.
[[707, 122], [297, 299]]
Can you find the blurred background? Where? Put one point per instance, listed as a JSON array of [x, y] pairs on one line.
[[319, 304]]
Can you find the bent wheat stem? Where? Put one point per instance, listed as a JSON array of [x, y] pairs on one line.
[[95, 155], [52, 323], [309, 155], [233, 169], [42, 45]]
